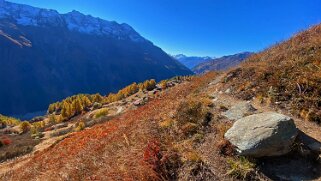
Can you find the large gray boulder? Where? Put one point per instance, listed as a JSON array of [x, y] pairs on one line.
[[265, 134], [239, 111]]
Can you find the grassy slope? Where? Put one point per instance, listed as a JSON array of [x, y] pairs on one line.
[[288, 73], [113, 150]]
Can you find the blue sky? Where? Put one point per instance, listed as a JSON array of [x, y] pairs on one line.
[[202, 27]]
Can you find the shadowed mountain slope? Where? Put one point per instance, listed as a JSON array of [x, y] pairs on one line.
[[46, 56]]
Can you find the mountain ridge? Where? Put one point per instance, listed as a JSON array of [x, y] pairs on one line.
[[222, 63], [191, 61], [75, 21], [52, 61]]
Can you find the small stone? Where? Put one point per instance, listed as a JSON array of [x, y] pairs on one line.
[[238, 111]]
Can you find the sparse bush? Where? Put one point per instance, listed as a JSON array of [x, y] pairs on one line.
[[35, 133], [191, 111], [225, 148], [100, 113], [192, 117], [150, 85], [34, 130], [39, 125], [240, 168], [25, 126], [163, 84], [97, 105], [80, 126]]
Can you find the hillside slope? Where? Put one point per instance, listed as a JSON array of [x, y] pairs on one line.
[[177, 135], [222, 63], [120, 149], [287, 75], [51, 56]]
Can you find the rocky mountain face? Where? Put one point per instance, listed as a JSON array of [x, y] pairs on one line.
[[191, 61], [46, 56], [222, 63]]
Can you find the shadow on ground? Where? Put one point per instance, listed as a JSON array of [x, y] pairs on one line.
[[302, 163]]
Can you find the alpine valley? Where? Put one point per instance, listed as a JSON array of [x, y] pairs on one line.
[[47, 56]]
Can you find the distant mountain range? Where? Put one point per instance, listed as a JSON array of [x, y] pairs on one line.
[[222, 63], [46, 56], [191, 61]]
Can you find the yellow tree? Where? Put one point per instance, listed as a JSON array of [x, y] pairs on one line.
[[86, 102], [97, 98]]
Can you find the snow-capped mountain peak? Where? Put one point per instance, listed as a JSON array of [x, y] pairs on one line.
[[179, 56], [190, 61], [74, 21]]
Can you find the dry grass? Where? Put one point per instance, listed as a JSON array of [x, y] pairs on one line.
[[241, 168], [16, 145], [225, 148], [114, 150], [288, 74]]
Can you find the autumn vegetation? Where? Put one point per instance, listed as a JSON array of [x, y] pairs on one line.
[[10, 121], [77, 104], [125, 145], [287, 75]]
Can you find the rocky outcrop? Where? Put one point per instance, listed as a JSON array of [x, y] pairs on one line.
[[238, 111], [265, 134]]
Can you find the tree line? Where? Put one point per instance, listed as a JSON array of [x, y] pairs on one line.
[[75, 105]]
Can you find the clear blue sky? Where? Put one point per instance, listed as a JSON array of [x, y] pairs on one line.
[[202, 27]]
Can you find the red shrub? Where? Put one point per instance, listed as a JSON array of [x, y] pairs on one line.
[[6, 141], [152, 155]]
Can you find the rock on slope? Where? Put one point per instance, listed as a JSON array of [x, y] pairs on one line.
[[265, 134], [51, 56], [238, 111], [222, 63]]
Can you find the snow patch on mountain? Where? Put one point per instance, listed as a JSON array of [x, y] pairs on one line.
[[74, 21]]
